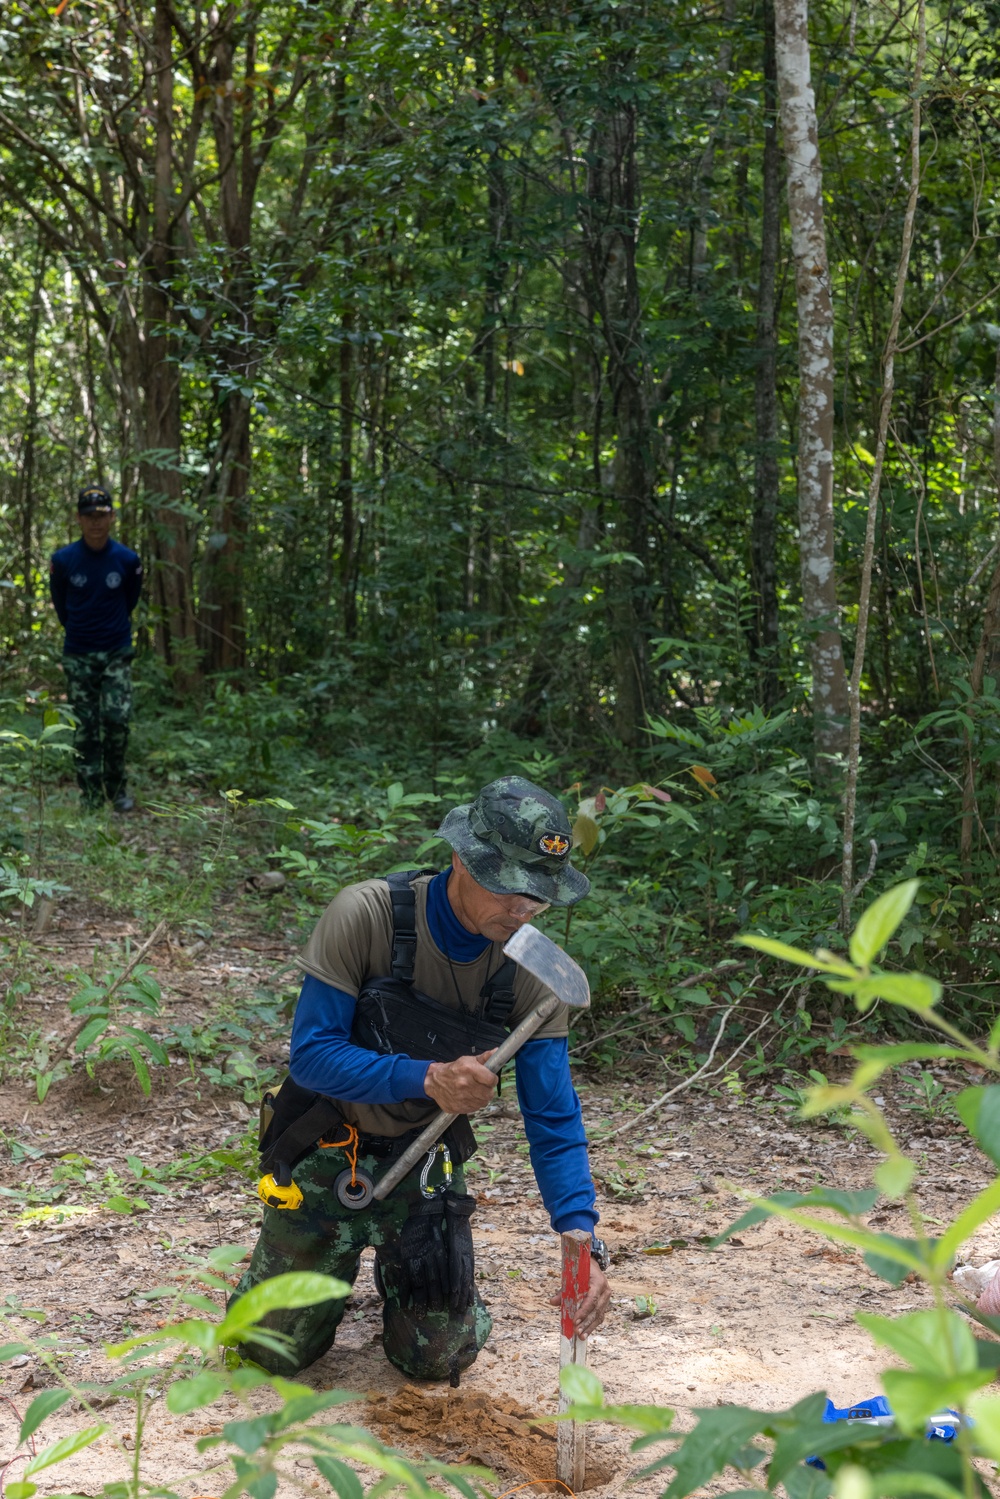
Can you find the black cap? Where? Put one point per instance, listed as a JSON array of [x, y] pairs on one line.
[[94, 500]]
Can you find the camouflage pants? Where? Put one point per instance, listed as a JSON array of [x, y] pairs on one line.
[[99, 687], [325, 1237]]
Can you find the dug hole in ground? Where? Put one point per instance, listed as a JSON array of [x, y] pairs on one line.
[[761, 1322]]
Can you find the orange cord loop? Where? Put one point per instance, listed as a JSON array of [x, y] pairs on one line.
[[349, 1145]]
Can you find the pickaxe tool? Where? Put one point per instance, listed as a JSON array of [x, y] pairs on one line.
[[532, 950]]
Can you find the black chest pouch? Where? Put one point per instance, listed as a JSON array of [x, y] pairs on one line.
[[393, 1018]]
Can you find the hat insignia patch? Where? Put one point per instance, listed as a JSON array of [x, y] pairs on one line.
[[556, 845]]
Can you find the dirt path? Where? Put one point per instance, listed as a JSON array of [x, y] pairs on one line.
[[760, 1322]]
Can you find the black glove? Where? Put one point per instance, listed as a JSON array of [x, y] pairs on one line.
[[423, 1269], [461, 1263]]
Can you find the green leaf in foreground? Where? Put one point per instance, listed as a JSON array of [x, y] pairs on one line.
[[583, 1389], [806, 1483], [298, 1288], [251, 1434], [848, 1204], [800, 1433], [43, 1405], [581, 1385], [306, 1404], [907, 1051], [880, 922], [825, 962], [913, 991], [895, 1175], [720, 1436], [20, 1490], [980, 1210], [58, 1452], [937, 1342], [916, 1397], [985, 1412], [343, 1480], [979, 1111], [886, 1266], [188, 1394]]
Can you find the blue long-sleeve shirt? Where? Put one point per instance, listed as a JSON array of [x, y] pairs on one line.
[[324, 1059], [94, 594]]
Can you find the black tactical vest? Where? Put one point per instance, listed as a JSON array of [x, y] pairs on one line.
[[394, 1018]]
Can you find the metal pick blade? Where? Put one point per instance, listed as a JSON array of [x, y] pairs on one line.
[[542, 957]]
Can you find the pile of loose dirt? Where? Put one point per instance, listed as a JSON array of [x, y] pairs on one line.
[[474, 1427]]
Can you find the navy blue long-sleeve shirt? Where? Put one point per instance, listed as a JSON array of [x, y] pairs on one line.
[[324, 1059], [94, 594]]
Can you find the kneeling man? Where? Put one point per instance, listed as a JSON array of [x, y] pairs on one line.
[[407, 993]]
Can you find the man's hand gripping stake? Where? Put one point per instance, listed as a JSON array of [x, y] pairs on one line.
[[532, 950]]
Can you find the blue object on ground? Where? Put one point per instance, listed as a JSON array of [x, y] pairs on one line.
[[877, 1412]]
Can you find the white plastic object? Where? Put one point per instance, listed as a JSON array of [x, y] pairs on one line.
[[974, 1280]]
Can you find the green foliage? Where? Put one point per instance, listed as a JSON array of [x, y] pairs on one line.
[[944, 1365], [104, 1035], [914, 991], [345, 852], [187, 1358]]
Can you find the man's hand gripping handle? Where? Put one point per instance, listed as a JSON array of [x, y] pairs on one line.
[[422, 1144]]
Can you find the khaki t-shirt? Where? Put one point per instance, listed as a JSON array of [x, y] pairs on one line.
[[351, 944]]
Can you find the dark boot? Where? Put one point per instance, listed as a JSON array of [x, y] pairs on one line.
[[91, 790], [115, 775]]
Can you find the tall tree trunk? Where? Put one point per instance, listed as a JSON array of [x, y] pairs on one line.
[[88, 390], [986, 663], [611, 225], [764, 533], [222, 623], [816, 375], [27, 485], [170, 544], [223, 609], [496, 507], [706, 162], [345, 465], [848, 888]]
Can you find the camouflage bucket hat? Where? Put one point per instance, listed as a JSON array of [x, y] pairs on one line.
[[515, 839]]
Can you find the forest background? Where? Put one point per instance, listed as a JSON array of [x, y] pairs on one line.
[[607, 393], [462, 379]]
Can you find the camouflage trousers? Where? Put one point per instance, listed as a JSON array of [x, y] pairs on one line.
[[323, 1236], [99, 687]]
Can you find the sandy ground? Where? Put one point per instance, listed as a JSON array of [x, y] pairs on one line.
[[760, 1322]]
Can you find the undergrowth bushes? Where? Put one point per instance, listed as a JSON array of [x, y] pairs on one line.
[[726, 827]]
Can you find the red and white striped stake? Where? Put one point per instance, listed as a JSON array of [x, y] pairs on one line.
[[571, 1436]]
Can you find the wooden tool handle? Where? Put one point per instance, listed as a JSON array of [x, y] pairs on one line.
[[427, 1137]]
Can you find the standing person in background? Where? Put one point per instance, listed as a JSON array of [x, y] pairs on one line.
[[95, 584]]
